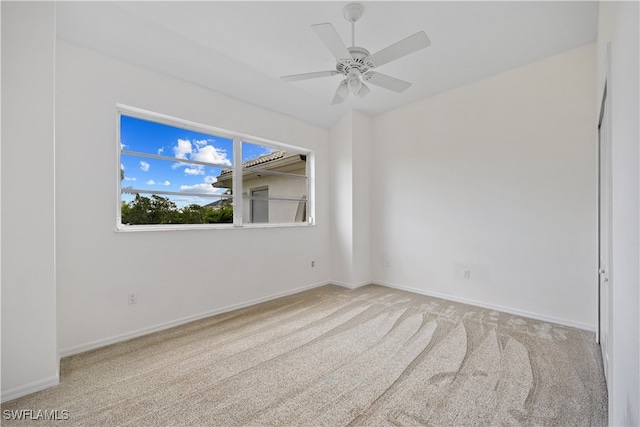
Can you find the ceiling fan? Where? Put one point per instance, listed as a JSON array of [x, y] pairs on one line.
[[356, 63]]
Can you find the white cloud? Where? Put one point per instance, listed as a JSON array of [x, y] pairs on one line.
[[200, 142], [182, 149], [160, 151], [122, 146], [144, 166], [211, 154], [200, 188], [126, 178], [152, 182], [210, 179], [198, 150], [122, 166], [194, 170]]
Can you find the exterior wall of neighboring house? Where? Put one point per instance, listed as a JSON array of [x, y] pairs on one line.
[[279, 211], [278, 186]]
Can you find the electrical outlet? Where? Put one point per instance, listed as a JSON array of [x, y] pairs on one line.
[[466, 273], [313, 263], [133, 299]]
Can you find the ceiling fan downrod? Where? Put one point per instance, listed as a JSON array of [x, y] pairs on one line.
[[352, 12]]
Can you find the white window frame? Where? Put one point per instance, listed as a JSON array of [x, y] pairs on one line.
[[238, 202]]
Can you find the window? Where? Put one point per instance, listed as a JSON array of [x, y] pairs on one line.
[[259, 205], [176, 174], [275, 185]]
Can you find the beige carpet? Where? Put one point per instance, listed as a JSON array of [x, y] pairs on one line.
[[331, 357]]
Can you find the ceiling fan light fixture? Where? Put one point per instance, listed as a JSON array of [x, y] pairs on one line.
[[355, 85], [343, 89], [354, 82], [364, 91], [341, 93]]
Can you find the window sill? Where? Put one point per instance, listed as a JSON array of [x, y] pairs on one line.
[[198, 227]]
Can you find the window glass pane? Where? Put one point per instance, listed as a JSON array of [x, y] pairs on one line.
[[259, 205], [275, 211], [269, 175], [146, 173], [148, 137], [191, 185], [140, 209], [281, 187], [274, 185], [259, 157]]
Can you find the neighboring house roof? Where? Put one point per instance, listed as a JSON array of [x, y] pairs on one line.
[[265, 158], [215, 205], [277, 160]]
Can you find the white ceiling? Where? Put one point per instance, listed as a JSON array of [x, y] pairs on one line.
[[242, 48]]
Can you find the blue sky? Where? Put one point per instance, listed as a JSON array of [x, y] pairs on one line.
[[163, 175]]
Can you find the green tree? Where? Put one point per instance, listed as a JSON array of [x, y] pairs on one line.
[[222, 215], [145, 210], [192, 214], [137, 211], [161, 210]]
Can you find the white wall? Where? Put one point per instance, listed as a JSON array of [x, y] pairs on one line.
[[176, 275], [497, 177], [361, 140], [341, 190], [618, 24], [29, 352], [350, 200]]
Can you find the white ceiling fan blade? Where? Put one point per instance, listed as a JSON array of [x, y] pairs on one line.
[[337, 100], [305, 76], [402, 48], [386, 82], [341, 93], [329, 36]]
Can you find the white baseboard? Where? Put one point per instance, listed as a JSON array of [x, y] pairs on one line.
[[162, 326], [350, 285], [536, 316], [23, 390], [156, 328]]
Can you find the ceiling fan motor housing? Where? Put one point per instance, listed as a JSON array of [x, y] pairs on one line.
[[359, 60]]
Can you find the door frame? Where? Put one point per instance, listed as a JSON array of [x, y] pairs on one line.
[[601, 117], [604, 114]]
